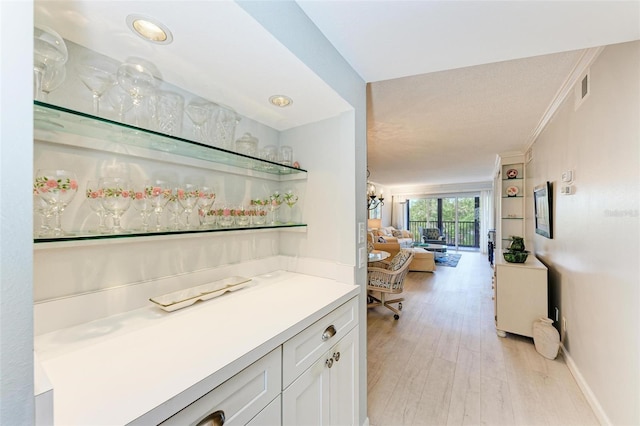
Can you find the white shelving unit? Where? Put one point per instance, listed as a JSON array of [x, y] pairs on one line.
[[509, 187]]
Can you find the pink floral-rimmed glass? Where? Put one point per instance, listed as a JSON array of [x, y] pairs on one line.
[[116, 199], [275, 201], [226, 216], [158, 192], [143, 204], [206, 198], [290, 199], [258, 211], [93, 195], [175, 209], [242, 216], [188, 195], [57, 188]]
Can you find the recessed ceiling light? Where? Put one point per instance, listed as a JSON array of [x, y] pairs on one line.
[[280, 100], [149, 29]]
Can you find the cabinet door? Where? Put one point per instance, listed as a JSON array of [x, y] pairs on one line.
[[326, 393], [344, 380], [270, 416], [306, 401]]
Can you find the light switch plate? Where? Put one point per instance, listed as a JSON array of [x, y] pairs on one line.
[[361, 255], [361, 233], [567, 176]]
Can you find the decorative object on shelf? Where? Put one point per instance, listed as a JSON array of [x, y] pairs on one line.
[[199, 112], [94, 196], [226, 216], [512, 191], [223, 126], [290, 199], [512, 174], [275, 201], [247, 145], [45, 211], [285, 155], [49, 54], [167, 109], [206, 198], [136, 77], [543, 203], [57, 188], [98, 75], [242, 216], [546, 338], [188, 195], [144, 205], [116, 199], [516, 252], [373, 201], [259, 213], [175, 209], [159, 192]]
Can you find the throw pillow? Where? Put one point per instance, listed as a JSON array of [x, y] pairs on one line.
[[432, 233], [398, 260], [406, 234], [396, 233]]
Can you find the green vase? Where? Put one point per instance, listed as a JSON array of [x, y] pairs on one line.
[[517, 244]]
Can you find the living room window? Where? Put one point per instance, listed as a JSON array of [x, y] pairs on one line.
[[456, 216]]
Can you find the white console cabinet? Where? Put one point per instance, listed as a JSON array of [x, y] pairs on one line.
[[520, 295]]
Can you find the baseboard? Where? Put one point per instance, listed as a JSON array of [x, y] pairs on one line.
[[366, 422], [586, 390]]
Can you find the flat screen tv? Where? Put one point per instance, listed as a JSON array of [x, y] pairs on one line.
[[542, 199]]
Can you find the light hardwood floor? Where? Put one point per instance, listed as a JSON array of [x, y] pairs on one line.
[[442, 363]]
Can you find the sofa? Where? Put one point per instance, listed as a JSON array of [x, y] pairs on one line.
[[423, 260], [389, 234]]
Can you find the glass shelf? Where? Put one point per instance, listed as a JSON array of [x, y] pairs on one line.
[[50, 120], [78, 236]]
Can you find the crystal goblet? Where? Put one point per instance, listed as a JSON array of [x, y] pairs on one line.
[[144, 204], [290, 199], [175, 210], [275, 201], [204, 203], [52, 78], [56, 187], [159, 192], [116, 199], [199, 111], [188, 195], [49, 51], [138, 81], [98, 75], [45, 211], [94, 195]]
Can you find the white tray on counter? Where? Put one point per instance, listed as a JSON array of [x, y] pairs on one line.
[[187, 297]]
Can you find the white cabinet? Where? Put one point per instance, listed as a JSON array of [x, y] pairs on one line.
[[327, 392], [520, 295], [239, 399]]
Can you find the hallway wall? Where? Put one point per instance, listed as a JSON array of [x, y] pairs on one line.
[[593, 256]]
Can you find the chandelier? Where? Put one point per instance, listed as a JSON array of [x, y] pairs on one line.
[[373, 200]]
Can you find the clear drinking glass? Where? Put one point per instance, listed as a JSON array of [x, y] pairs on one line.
[[199, 111], [223, 126], [94, 195], [290, 199], [52, 78], [98, 75], [45, 211], [275, 201], [188, 196], [144, 204], [159, 192], [206, 198], [168, 109], [116, 199], [139, 82], [56, 187], [49, 51], [175, 210]]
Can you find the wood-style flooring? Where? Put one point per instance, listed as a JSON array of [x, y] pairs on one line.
[[442, 363]]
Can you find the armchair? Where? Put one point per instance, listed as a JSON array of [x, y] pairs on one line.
[[388, 278], [431, 236]]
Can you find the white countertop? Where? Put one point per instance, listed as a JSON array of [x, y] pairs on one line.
[[151, 363]]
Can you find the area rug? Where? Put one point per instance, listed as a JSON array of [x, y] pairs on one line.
[[450, 260]]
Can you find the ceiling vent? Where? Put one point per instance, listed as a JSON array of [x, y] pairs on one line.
[[583, 88]]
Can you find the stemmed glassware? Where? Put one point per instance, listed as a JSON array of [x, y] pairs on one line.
[[290, 199], [144, 204], [199, 111], [275, 201], [159, 192], [205, 201], [94, 195], [120, 101], [258, 212], [52, 78], [45, 211], [98, 75], [175, 209], [188, 195], [49, 52], [116, 199], [57, 188], [137, 79]]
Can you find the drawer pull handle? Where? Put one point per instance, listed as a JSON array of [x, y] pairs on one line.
[[214, 419], [329, 362], [329, 333], [337, 356]]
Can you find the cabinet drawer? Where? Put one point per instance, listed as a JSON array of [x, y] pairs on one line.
[[240, 398], [302, 350]]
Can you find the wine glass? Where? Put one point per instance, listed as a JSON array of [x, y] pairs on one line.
[[159, 192], [116, 199], [290, 199], [144, 204], [205, 201], [137, 79], [98, 75], [45, 211], [49, 51], [188, 195], [56, 187], [275, 201], [52, 78], [120, 101], [258, 212], [175, 209], [199, 111], [94, 195]]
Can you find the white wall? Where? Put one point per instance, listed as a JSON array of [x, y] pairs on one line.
[[16, 313], [593, 256]]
